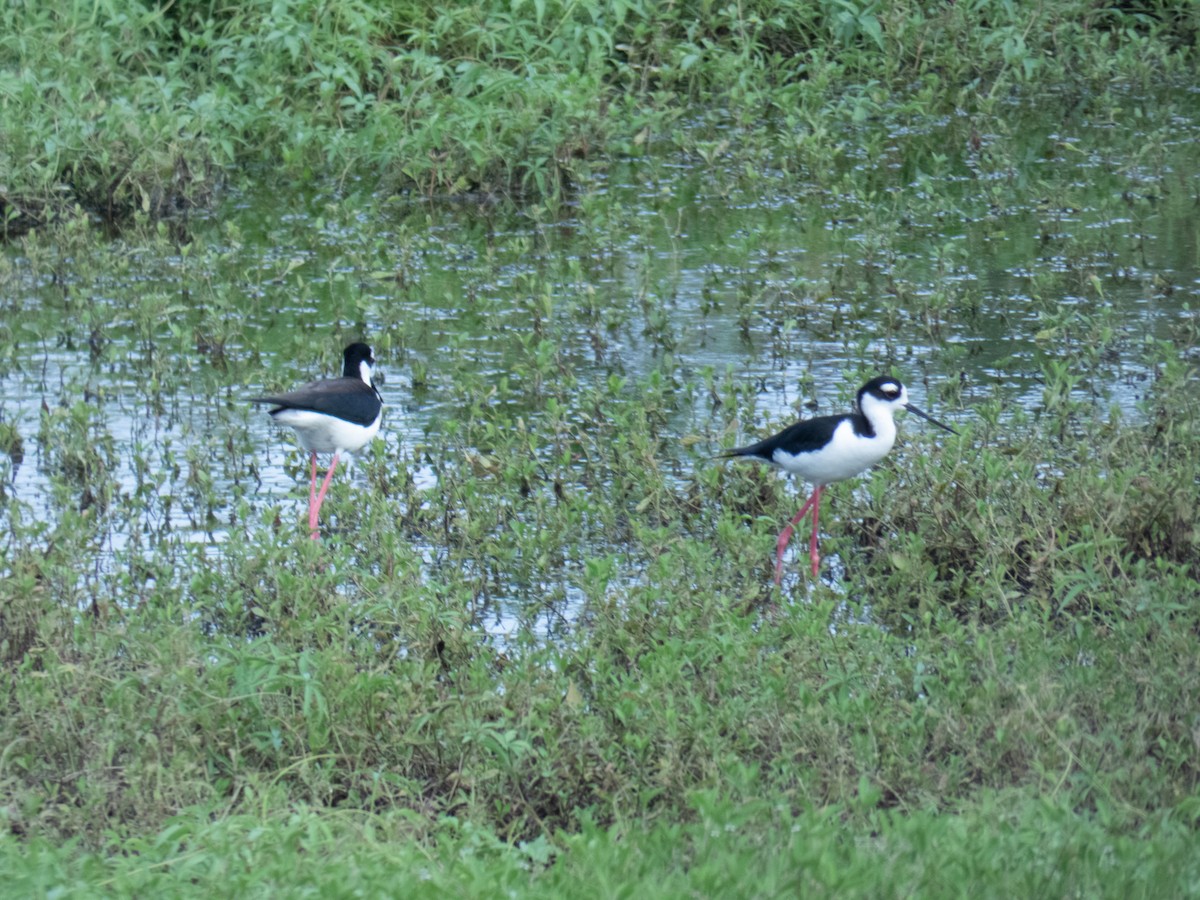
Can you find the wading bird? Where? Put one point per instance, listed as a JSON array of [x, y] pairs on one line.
[[834, 448], [333, 415]]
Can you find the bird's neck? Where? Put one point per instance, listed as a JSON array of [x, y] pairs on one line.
[[881, 421]]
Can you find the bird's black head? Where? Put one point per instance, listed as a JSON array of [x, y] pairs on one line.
[[357, 361], [885, 388], [887, 394]]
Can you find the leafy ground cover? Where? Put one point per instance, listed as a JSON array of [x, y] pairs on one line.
[[996, 688], [1004, 695], [126, 108]]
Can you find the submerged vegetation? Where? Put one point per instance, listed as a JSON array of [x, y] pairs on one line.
[[538, 645]]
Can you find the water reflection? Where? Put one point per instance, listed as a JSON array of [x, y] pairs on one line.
[[959, 267]]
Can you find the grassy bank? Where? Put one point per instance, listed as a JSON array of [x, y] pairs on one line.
[[119, 109]]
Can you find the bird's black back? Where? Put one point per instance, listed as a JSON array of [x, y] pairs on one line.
[[348, 398], [806, 436]]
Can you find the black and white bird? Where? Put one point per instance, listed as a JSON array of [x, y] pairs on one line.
[[333, 415], [833, 448]]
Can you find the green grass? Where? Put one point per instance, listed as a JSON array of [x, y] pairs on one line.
[[997, 692], [126, 109], [1008, 844]]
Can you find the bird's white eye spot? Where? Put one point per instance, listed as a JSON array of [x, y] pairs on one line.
[[891, 390]]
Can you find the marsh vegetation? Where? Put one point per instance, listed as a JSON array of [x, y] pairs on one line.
[[538, 645]]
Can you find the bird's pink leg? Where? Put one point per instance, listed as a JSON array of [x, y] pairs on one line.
[[812, 545], [786, 534], [312, 494], [314, 512]]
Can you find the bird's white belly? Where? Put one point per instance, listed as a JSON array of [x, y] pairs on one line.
[[327, 434], [843, 457]]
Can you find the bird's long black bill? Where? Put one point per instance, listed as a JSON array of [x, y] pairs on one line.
[[928, 418]]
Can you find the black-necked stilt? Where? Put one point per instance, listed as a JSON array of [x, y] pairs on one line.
[[834, 448], [333, 415]]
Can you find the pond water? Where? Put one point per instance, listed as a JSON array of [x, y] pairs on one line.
[[960, 253]]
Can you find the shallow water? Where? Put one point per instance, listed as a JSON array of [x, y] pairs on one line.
[[958, 257]]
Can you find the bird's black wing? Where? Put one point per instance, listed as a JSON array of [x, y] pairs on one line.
[[802, 437], [344, 398]]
